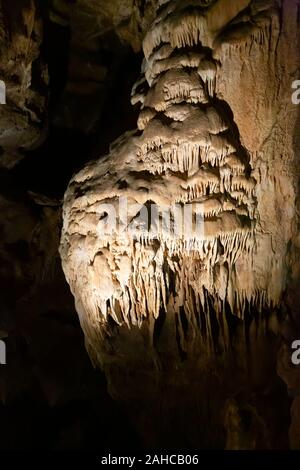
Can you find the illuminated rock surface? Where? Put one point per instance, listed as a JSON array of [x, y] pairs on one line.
[[166, 314]]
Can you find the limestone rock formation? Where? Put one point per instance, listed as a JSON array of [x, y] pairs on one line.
[[216, 136], [23, 71]]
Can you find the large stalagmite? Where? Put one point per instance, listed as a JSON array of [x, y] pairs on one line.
[[214, 140]]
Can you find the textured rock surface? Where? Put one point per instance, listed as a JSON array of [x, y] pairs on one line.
[[22, 120], [159, 311]]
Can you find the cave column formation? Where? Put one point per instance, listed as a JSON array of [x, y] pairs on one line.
[[148, 298]]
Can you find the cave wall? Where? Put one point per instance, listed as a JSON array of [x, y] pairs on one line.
[[48, 129]]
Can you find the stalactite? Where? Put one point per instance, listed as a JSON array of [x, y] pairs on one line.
[[186, 154]]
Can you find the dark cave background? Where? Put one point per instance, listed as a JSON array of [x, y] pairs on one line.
[[50, 395]]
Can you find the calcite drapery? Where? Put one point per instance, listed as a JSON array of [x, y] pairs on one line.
[[201, 139], [172, 321]]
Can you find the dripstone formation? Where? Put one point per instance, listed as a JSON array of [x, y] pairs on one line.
[[170, 312]]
